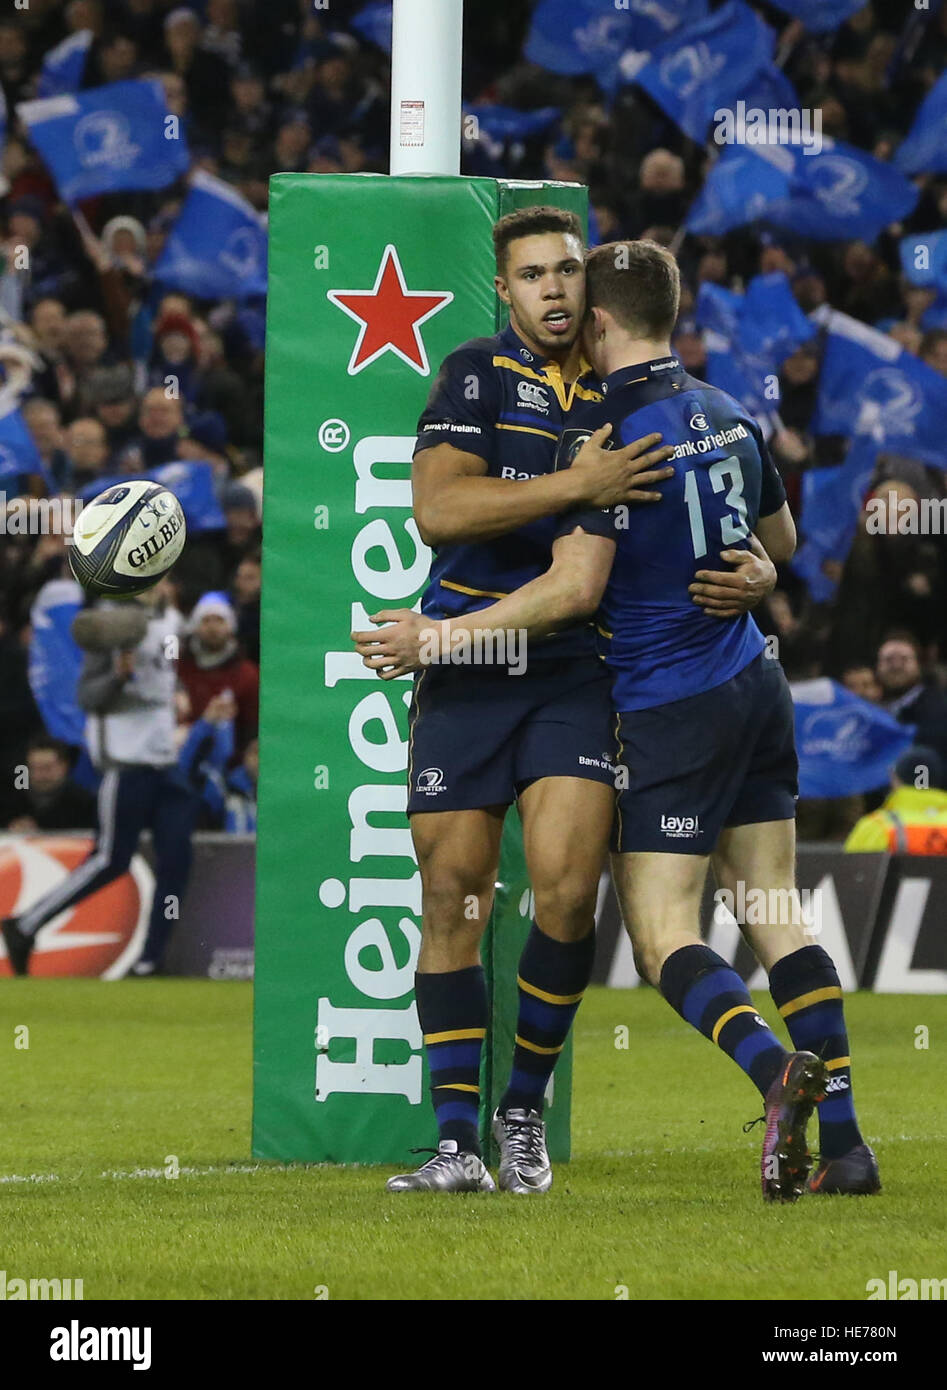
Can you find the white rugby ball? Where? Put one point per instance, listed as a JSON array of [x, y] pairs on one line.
[[125, 539]]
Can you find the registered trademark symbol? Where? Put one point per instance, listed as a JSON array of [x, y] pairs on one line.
[[334, 435]]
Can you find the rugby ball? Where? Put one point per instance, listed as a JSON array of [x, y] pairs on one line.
[[125, 539]]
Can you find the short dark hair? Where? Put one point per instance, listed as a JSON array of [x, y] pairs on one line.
[[904, 635], [46, 743], [532, 222], [638, 282]]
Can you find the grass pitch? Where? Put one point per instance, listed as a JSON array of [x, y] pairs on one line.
[[661, 1199]]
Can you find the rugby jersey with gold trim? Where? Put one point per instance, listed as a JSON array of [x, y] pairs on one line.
[[494, 397]]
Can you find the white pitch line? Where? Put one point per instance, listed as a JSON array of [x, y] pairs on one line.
[[210, 1170], [31, 1177], [186, 1172]]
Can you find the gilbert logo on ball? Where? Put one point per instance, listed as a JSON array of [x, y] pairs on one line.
[[102, 935], [127, 538]]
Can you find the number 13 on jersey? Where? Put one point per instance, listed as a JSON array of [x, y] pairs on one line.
[[724, 474]]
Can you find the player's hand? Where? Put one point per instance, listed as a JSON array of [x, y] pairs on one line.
[[730, 593], [609, 476], [394, 650], [125, 665]]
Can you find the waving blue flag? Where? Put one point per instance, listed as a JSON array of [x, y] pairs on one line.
[[870, 385], [373, 22], [191, 481], [571, 37], [217, 247], [837, 194], [707, 66], [925, 149], [832, 500], [748, 336], [846, 745], [930, 249], [107, 140], [55, 660], [820, 16], [18, 454], [505, 123], [64, 65]]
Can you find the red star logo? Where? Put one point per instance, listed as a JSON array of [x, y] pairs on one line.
[[390, 316]]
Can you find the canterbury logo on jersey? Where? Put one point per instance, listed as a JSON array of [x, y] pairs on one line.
[[532, 396]]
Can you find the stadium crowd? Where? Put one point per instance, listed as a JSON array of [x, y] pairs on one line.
[[300, 85]]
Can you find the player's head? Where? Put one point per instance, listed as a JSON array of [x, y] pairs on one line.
[[633, 292], [540, 275]]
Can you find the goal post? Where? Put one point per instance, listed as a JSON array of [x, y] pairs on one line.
[[372, 281]]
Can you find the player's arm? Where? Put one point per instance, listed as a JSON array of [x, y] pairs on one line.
[[730, 593], [454, 502], [571, 589], [777, 534]]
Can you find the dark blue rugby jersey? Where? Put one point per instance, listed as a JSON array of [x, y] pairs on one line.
[[495, 398], [660, 644]]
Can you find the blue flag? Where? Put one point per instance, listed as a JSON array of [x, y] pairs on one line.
[[869, 385], [846, 745], [707, 66], [373, 22], [936, 315], [64, 65], [832, 500], [217, 247], [108, 139], [748, 336], [572, 37], [925, 149], [191, 481], [837, 194], [931, 250], [18, 454], [504, 123], [820, 16], [55, 660]]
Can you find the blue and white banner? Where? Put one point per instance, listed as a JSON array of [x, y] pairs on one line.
[[748, 336], [64, 65], [217, 247], [55, 660], [846, 745], [925, 149], [18, 454], [924, 260], [837, 194], [820, 16], [572, 37], [191, 481], [870, 385], [707, 66], [108, 139]]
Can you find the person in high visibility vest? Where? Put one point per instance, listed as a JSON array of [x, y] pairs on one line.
[[913, 817]]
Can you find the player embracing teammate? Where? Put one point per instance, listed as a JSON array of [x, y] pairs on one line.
[[707, 763], [487, 495]]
